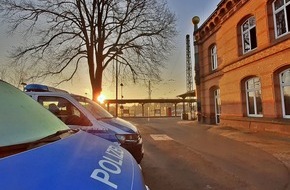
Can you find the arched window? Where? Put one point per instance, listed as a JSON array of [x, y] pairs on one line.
[[254, 97], [213, 57], [285, 92], [281, 11], [249, 38]]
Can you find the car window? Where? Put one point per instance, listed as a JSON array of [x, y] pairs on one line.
[[23, 120], [64, 110], [95, 109]]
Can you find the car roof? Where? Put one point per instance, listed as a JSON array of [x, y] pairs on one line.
[[22, 119]]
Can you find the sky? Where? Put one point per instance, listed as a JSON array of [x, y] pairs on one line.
[[173, 81]]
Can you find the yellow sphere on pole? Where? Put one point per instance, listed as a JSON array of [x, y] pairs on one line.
[[195, 20]]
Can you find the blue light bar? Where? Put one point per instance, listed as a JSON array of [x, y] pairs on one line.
[[41, 88]]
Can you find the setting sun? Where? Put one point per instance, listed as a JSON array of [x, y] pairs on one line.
[[101, 98]]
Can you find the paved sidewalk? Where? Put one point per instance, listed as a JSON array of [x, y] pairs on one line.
[[276, 144]]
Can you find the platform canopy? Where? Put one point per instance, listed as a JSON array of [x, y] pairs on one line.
[[189, 94]]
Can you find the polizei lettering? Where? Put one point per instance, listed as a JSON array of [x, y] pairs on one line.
[[110, 165]]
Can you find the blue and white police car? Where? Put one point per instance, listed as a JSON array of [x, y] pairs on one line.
[[38, 151], [79, 112]]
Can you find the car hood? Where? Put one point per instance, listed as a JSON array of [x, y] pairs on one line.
[[81, 161], [121, 124]]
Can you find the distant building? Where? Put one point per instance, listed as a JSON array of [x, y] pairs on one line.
[[243, 65]]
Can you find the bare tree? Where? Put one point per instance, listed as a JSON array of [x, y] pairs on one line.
[[3, 73], [63, 35], [15, 75]]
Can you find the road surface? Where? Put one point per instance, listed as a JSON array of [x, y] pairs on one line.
[[182, 156]]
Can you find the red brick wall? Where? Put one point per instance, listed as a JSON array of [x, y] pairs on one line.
[[266, 62]]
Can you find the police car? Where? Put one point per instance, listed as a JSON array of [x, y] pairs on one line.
[[38, 151], [81, 112]]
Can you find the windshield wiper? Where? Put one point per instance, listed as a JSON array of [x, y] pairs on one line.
[[14, 149], [105, 118], [52, 137]]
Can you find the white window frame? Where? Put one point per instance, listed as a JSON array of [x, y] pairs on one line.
[[214, 58], [248, 32], [275, 12], [282, 86], [255, 99]]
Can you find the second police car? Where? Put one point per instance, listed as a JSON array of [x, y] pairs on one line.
[[38, 151], [81, 112]]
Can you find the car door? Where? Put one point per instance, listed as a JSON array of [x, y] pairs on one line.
[[65, 111]]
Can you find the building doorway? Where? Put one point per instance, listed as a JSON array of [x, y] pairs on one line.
[[217, 102]]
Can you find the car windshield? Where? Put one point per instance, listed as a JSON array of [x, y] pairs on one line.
[[23, 120], [95, 109]]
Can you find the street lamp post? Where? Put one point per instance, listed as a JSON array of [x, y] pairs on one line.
[[122, 90], [122, 107], [116, 85], [195, 21], [118, 52]]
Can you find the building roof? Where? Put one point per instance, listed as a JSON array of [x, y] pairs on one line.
[[225, 9], [189, 94]]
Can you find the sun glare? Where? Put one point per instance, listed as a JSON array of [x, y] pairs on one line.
[[101, 98]]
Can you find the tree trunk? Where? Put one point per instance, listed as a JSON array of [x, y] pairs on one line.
[[97, 83], [96, 89]]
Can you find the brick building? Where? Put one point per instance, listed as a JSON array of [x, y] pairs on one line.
[[242, 65]]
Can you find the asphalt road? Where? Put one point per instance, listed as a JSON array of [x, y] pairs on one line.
[[186, 156]]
